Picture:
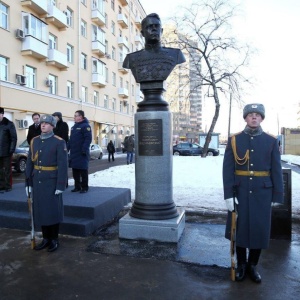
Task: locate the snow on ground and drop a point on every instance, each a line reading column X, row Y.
column 197, row 182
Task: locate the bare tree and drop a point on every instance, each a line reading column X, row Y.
column 203, row 30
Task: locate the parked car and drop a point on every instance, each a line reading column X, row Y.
column 96, row 151
column 192, row 149
column 124, row 143
column 19, row 158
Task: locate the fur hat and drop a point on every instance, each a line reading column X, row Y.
column 254, row 108
column 1, row 110
column 48, row 119
column 57, row 114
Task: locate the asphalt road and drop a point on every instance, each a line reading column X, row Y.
column 94, row 166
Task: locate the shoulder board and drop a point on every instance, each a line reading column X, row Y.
column 236, row 133
column 58, row 137
column 273, row 136
column 36, row 137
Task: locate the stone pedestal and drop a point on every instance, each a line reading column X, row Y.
column 169, row 230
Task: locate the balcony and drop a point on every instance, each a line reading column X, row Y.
column 34, row 47
column 138, row 40
column 121, row 69
column 98, row 79
column 122, row 42
column 97, row 17
column 122, row 20
column 57, row 59
column 122, row 92
column 124, row 2
column 57, row 18
column 138, row 22
column 98, row 48
column 38, row 6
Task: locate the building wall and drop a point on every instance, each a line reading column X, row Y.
column 108, row 121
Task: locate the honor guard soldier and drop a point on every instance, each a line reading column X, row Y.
column 251, row 167
column 46, row 175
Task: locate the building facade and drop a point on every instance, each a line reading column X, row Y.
column 67, row 55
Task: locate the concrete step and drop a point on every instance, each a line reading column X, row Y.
column 84, row 213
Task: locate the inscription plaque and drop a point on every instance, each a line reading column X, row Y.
column 150, row 137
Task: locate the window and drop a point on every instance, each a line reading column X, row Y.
column 113, row 103
column 98, row 4
column 127, row 108
column 106, row 74
column 84, row 94
column 120, row 54
column 83, row 28
column 106, row 46
column 121, row 106
column 114, row 79
column 106, row 20
column 132, row 90
column 121, row 82
column 70, row 89
column 106, row 101
column 53, row 85
column 127, row 86
column 3, row 16
column 112, row 4
column 83, row 61
column 113, row 53
column 69, row 14
column 83, row 2
column 30, row 77
column 35, row 27
column 70, row 53
column 3, row 68
column 98, row 34
column 96, row 98
column 113, row 27
column 52, row 41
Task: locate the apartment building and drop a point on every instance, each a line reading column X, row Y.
column 59, row 55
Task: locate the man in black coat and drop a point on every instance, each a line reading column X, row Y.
column 111, row 150
column 34, row 129
column 8, row 141
column 62, row 128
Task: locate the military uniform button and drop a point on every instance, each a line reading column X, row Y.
column 252, row 150
column 250, row 178
column 250, row 192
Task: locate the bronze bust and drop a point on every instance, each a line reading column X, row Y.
column 152, row 65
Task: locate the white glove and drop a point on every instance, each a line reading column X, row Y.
column 57, row 192
column 229, row 203
column 28, row 189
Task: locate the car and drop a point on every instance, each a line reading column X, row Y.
column 96, row 151
column 19, row 157
column 124, row 143
column 192, row 149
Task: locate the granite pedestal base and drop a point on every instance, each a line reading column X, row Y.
column 168, row 230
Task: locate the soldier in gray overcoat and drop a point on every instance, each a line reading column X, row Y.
column 252, row 167
column 46, row 175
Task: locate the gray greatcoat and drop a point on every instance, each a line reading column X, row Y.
column 49, row 152
column 254, row 193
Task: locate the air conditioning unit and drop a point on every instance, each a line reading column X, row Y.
column 121, row 131
column 23, row 124
column 107, row 56
column 113, row 131
column 21, row 79
column 20, row 34
column 104, row 131
column 124, row 102
column 49, row 82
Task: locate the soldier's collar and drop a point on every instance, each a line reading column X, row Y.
column 153, row 47
column 45, row 136
column 253, row 132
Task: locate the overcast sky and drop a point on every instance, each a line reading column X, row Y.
column 272, row 27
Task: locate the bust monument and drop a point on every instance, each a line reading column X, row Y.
column 152, row 65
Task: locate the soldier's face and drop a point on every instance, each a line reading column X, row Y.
column 152, row 30
column 253, row 120
column 46, row 127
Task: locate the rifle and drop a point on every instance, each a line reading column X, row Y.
column 29, row 200
column 233, row 236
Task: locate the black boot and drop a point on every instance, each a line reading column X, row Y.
column 254, row 275
column 240, row 272
column 53, row 246
column 44, row 243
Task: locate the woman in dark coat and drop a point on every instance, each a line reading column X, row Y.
column 252, row 166
column 46, row 175
column 111, row 150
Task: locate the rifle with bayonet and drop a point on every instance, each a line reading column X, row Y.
column 233, row 236
column 30, row 207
